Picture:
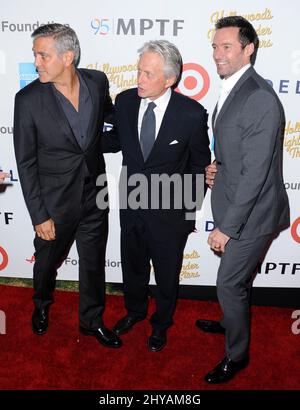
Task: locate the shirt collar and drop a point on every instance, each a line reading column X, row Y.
column 161, row 102
column 229, row 83
column 84, row 93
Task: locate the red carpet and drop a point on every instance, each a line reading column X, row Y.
column 63, row 359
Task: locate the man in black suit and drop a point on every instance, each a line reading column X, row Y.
column 161, row 134
column 57, row 131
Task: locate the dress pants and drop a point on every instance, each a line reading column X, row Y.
column 234, row 281
column 90, row 231
column 138, row 247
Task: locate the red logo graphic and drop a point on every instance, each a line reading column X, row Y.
column 31, row 260
column 194, row 81
column 294, row 233
column 4, row 255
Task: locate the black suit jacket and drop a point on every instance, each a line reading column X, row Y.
column 181, row 147
column 50, row 162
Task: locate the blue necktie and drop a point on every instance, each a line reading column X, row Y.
column 147, row 134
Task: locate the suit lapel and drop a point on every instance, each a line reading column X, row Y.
column 224, row 106
column 94, row 93
column 231, row 95
column 168, row 125
column 133, row 116
column 214, row 117
column 56, row 112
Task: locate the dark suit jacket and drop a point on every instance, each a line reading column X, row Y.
column 185, row 121
column 248, row 197
column 50, row 162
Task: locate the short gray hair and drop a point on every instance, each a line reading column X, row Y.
column 169, row 53
column 64, row 36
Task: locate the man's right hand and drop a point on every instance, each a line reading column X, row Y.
column 210, row 173
column 46, row 230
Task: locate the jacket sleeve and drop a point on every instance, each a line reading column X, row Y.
column 200, row 156
column 26, row 146
column 110, row 142
column 259, row 132
column 109, row 109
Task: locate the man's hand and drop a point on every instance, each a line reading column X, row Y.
column 46, row 230
column 217, row 240
column 3, row 175
column 210, row 173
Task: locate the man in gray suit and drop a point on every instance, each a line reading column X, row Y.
column 249, row 201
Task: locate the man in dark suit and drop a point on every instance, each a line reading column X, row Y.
column 249, row 201
column 57, row 132
column 161, row 134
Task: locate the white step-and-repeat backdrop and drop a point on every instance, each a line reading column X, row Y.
column 110, row 33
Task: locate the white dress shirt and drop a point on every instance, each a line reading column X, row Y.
column 159, row 111
column 228, row 84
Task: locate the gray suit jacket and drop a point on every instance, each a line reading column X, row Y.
column 248, row 197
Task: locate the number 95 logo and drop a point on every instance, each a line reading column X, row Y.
column 100, row 26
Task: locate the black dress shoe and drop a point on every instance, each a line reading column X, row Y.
column 157, row 340
column 105, row 336
column 210, row 326
column 125, row 324
column 40, row 320
column 225, row 370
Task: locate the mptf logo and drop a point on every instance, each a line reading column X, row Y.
column 135, row 27
column 194, row 81
column 3, row 258
column 6, row 217
column 295, row 230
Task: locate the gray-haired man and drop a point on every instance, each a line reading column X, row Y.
column 159, row 132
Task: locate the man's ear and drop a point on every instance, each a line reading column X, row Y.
column 68, row 58
column 249, row 49
column 170, row 81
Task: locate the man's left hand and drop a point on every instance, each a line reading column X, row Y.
column 217, row 240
